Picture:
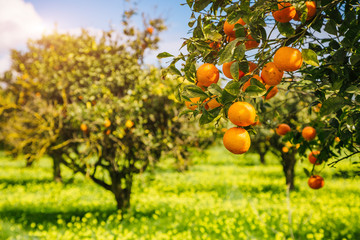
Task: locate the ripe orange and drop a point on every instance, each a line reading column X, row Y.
column 83, row 127
column 230, row 39
column 288, row 59
column 308, row 133
column 107, row 123
column 214, row 45
column 272, row 92
column 150, row 30
column 285, row 13
column 311, row 8
column 229, row 28
column 337, row 139
column 252, row 66
column 316, row 182
column 108, row 132
column 250, row 42
column 285, row 149
column 248, row 83
column 207, row 74
column 237, row 140
column 242, row 114
column 271, row 74
column 213, row 103
column 129, row 124
column 282, row 129
column 312, row 157
column 193, row 103
column 226, row 70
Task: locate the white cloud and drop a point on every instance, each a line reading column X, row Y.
column 18, row 22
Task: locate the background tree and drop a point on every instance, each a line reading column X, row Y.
column 89, row 103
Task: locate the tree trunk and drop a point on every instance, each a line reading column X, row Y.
column 262, row 157
column 56, row 169
column 122, row 192
column 28, row 163
column 288, row 162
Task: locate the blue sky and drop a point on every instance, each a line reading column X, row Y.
column 23, row 19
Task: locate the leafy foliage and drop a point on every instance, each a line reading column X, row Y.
column 329, row 42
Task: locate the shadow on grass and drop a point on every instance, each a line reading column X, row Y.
column 48, row 218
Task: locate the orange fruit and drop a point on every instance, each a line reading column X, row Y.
column 316, row 182
column 282, row 129
column 337, row 139
column 207, row 74
column 229, row 28
column 311, row 11
column 272, row 92
column 285, row 149
column 271, row 74
column 252, row 66
column 250, row 42
column 107, row 123
column 214, row 45
column 312, row 157
column 288, row 59
column 308, row 133
column 150, row 30
column 193, row 104
column 108, row 132
column 237, row 140
column 226, row 70
column 83, row 127
column 213, row 103
column 285, row 13
column 129, row 124
column 242, row 114
column 248, row 83
column 230, row 39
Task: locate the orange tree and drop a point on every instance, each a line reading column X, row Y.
column 315, row 43
column 89, row 103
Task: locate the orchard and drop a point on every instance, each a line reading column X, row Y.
column 307, row 48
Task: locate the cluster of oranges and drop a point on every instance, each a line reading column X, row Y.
column 107, row 123
column 309, row 134
column 243, row 114
column 286, row 12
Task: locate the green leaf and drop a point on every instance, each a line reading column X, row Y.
column 226, row 98
column 286, row 29
column 239, row 52
column 233, row 87
column 185, row 112
column 215, row 89
column 174, row 70
column 227, row 54
column 192, row 91
column 234, row 70
column 201, row 5
column 307, row 173
column 310, row 57
column 209, row 116
column 164, row 55
column 353, row 89
column 354, row 59
column 332, row 105
column 255, row 91
column 244, row 67
column 330, row 27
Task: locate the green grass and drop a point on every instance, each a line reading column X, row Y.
column 222, row 197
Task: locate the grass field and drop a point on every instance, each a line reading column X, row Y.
column 221, row 197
